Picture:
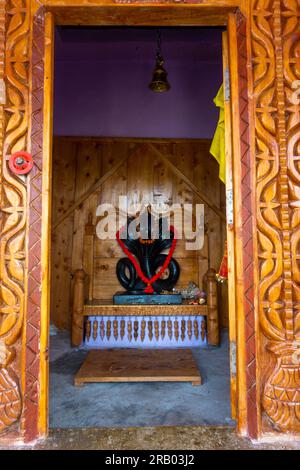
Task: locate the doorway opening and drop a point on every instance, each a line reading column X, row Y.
column 113, row 136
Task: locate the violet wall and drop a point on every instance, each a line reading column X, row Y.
column 102, row 76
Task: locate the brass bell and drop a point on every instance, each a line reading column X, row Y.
column 159, row 82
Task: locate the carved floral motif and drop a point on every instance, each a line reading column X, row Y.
column 275, row 44
column 275, row 48
column 281, row 396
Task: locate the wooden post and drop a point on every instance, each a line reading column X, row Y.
column 78, row 303
column 213, row 334
column 88, row 253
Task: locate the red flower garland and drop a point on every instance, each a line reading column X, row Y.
column 149, row 289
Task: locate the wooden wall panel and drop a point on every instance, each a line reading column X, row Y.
column 140, row 177
column 88, row 162
column 162, row 178
column 117, row 183
column 144, row 178
column 62, row 238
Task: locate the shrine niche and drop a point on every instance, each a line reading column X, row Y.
column 154, row 170
column 264, row 52
column 152, row 311
column 145, row 274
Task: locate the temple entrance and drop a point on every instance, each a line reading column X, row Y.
column 238, row 207
column 116, row 139
column 261, row 208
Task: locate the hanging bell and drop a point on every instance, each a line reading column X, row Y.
column 159, row 82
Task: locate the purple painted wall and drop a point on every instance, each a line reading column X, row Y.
column 102, row 76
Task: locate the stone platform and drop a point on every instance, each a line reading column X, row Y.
column 123, row 298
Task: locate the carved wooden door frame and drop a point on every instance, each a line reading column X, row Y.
column 265, row 140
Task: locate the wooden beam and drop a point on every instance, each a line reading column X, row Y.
column 43, row 409
column 91, row 190
column 230, row 236
column 93, row 14
column 193, row 187
column 107, row 308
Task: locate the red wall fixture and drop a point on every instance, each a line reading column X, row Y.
column 20, row 163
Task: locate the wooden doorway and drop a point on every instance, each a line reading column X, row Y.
column 240, row 239
column 231, row 72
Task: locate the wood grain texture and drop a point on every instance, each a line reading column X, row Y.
column 213, row 333
column 48, row 39
column 139, row 365
column 247, row 220
column 143, row 177
column 277, row 143
column 78, row 307
column 272, row 30
column 229, row 235
column 63, row 195
column 147, row 16
column 101, row 308
column 37, row 258
column 14, row 61
column 188, row 181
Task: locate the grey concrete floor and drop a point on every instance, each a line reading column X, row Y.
column 138, row 404
column 158, row 438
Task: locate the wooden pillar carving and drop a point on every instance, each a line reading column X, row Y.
column 32, row 364
column 275, row 33
column 245, row 252
column 14, row 63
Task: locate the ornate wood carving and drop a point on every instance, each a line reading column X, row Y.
column 275, row 34
column 102, row 331
column 275, row 47
column 34, row 220
column 14, row 125
column 150, row 1
column 247, row 225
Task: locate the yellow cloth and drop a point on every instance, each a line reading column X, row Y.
column 217, row 148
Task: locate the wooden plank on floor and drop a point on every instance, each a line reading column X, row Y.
column 139, row 365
